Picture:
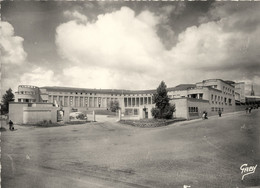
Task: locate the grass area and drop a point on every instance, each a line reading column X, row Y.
column 50, row 124
column 146, row 123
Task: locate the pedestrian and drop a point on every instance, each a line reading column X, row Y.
column 219, row 113
column 11, row 127
column 250, row 108
column 203, row 115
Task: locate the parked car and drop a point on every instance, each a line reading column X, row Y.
column 78, row 116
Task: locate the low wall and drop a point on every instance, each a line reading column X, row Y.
column 33, row 115
column 16, row 112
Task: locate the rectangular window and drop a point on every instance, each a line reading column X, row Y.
column 135, row 111
column 133, row 101
column 137, row 101
column 76, row 102
column 125, row 102
column 65, row 101
column 81, row 101
column 149, row 100
column 90, row 102
column 145, row 100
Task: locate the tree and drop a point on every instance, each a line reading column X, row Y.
column 163, row 109
column 114, row 106
column 7, row 97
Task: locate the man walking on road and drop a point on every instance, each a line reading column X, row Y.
column 219, row 113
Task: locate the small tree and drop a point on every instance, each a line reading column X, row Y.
column 114, row 106
column 163, row 109
column 7, row 97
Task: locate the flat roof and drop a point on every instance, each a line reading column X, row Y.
column 105, row 91
column 228, row 82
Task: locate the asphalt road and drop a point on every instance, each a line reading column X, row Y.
column 200, row 153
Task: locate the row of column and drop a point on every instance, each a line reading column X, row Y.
column 75, row 101
column 136, row 101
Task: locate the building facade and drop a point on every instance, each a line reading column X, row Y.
column 211, row 95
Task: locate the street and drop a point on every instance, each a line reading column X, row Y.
column 200, row 153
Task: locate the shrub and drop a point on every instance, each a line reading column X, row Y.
column 155, row 112
column 114, row 106
column 168, row 111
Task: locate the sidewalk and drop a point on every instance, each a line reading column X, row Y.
column 213, row 117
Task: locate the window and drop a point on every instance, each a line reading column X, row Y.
column 193, row 109
column 212, row 109
column 135, row 111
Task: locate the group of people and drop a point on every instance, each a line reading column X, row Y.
column 205, row 114
column 249, row 109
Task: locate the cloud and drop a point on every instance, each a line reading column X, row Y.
column 11, row 46
column 105, row 78
column 119, row 41
column 223, row 45
column 123, row 50
column 12, row 56
column 75, row 15
column 40, row 77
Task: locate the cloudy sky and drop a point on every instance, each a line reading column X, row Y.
column 128, row 45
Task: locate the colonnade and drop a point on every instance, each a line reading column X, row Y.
column 82, row 101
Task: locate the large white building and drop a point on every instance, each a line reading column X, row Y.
column 190, row 99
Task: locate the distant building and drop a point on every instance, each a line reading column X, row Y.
column 240, row 93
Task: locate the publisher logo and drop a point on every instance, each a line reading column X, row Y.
column 246, row 170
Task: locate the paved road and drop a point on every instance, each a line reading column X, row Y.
column 200, row 153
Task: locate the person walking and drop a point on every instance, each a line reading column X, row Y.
column 219, row 113
column 11, row 127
